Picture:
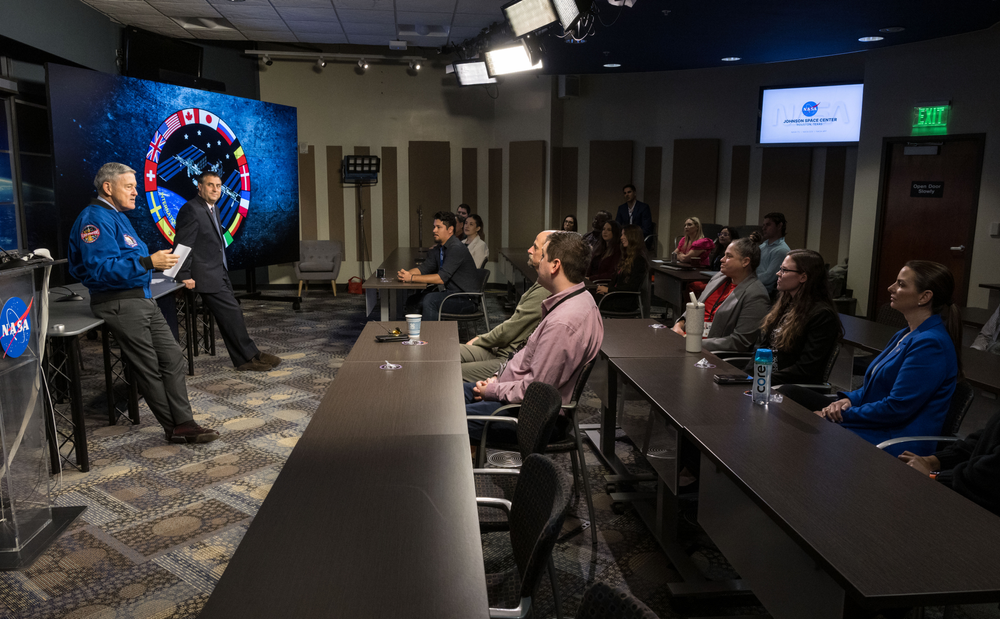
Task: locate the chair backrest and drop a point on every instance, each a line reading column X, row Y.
column 711, row 231
column 602, row 601
column 318, row 251
column 538, row 509
column 484, row 276
column 646, row 290
column 537, row 418
column 888, row 316
column 961, row 402
column 831, row 360
column 581, row 382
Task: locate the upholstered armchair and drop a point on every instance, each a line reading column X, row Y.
column 318, row 260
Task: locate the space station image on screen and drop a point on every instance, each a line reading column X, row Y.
column 170, row 135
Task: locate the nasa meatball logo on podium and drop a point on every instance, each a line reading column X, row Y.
column 188, row 143
column 15, row 327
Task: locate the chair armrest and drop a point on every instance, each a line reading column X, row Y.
column 618, row 292
column 514, row 472
column 485, row 501
column 823, row 389
column 915, row 439
column 487, row 419
column 512, row 613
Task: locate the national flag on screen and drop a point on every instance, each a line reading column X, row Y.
column 188, row 116
column 244, row 205
column 244, row 178
column 149, row 176
column 208, row 118
column 173, row 123
column 155, row 147
column 226, row 132
column 241, row 157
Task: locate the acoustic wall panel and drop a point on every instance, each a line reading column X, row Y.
column 526, row 187
column 307, row 194
column 563, row 185
column 390, row 200
column 652, row 175
column 470, row 179
column 494, row 231
column 833, row 203
column 335, row 193
column 739, row 187
column 430, row 186
column 784, row 188
column 610, row 169
column 695, row 183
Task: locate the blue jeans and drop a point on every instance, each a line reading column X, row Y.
column 499, row 432
column 431, row 304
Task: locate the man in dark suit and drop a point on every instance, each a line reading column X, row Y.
column 635, row 212
column 205, row 270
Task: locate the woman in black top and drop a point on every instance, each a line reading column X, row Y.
column 632, row 269
column 608, row 253
column 726, row 236
column 803, row 326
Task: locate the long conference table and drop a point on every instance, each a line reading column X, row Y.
column 818, row 522
column 388, row 291
column 374, row 512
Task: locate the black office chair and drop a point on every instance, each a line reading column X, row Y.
column 740, row 361
column 602, row 601
column 536, row 516
column 571, row 443
column 961, row 402
column 482, row 312
column 641, row 301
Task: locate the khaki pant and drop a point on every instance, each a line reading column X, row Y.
column 478, row 363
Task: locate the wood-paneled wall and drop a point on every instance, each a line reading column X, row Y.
column 610, row 169
column 430, row 185
column 695, row 183
column 526, row 187
column 784, row 188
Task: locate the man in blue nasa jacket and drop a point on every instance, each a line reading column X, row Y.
column 110, row 259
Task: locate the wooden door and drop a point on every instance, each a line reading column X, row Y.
column 928, row 211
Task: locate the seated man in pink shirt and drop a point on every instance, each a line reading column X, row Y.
column 569, row 335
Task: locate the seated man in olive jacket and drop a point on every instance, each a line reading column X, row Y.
column 479, row 362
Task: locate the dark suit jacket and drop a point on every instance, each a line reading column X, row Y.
column 641, row 216
column 198, row 228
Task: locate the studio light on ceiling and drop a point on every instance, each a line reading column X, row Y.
column 511, row 59
column 414, row 65
column 870, row 39
column 472, row 73
column 730, row 59
column 320, row 63
column 362, row 64
column 526, row 16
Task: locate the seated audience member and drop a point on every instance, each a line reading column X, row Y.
column 608, row 254
column 461, row 214
column 479, row 361
column 569, row 223
column 726, row 236
column 633, row 268
column 803, row 326
column 971, row 466
column 448, row 269
column 593, row 238
column 735, row 301
column 694, row 248
column 773, row 248
column 908, row 387
column 987, row 340
column 569, row 336
column 474, row 240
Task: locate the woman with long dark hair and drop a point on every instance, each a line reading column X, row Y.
column 605, row 259
column 726, row 236
column 803, row 326
column 473, row 228
column 632, row 268
column 908, row 387
column 569, row 223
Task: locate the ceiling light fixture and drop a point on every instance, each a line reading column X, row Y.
column 612, row 65
column 362, row 64
column 731, row 59
column 512, row 59
column 320, row 63
column 414, row 65
column 267, row 60
column 870, row 39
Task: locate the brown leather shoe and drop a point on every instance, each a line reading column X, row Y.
column 271, row 360
column 192, row 433
column 254, row 365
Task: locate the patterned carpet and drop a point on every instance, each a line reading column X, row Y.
column 163, row 520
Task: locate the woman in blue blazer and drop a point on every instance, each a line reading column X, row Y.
column 908, row 387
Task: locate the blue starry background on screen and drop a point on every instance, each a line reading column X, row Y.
column 169, row 135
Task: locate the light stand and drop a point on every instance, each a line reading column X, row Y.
column 361, row 171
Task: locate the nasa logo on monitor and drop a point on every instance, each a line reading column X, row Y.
column 190, row 142
column 15, row 327
column 809, row 108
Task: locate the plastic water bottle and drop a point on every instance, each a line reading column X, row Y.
column 762, row 362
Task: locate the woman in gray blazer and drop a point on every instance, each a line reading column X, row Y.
column 735, row 300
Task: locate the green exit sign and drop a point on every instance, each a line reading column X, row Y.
column 931, row 119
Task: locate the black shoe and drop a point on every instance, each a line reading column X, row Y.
column 192, row 433
column 254, row 365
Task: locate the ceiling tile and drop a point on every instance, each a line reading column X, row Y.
column 247, row 11
column 258, row 24
column 366, row 17
column 480, row 6
column 279, row 4
column 433, row 6
column 318, row 27
column 186, row 9
column 225, row 3
column 312, row 14
column 476, row 19
column 386, row 31
column 423, row 19
column 315, row 37
column 255, row 35
column 464, row 32
column 364, row 5
column 367, row 39
column 230, row 35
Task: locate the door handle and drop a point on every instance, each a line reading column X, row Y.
column 959, row 248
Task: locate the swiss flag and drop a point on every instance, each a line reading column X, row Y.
column 149, row 176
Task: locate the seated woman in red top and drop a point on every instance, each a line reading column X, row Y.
column 608, row 253
column 632, row 269
column 694, row 248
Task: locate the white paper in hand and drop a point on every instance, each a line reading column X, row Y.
column 181, row 251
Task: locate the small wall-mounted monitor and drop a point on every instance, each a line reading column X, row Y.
column 811, row 115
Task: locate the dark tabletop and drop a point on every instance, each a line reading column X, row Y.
column 864, row 515
column 400, row 258
column 441, row 338
column 686, row 276
column 518, row 256
column 634, row 337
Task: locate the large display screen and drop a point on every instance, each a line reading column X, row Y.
column 170, row 135
column 811, row 115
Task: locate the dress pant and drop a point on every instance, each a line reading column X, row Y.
column 157, row 363
column 478, row 363
column 229, row 318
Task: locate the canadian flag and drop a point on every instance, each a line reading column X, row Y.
column 189, row 116
column 208, row 118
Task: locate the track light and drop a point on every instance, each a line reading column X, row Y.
column 362, row 64
column 320, row 63
column 414, row 65
column 267, row 60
